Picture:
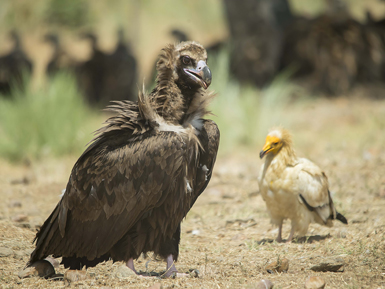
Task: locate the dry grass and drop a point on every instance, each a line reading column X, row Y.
column 345, row 137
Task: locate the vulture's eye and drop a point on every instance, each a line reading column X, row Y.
column 275, row 143
column 186, row 60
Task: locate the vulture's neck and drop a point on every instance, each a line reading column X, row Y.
column 284, row 158
column 174, row 103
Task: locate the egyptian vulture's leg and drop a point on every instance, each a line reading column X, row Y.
column 130, row 264
column 291, row 234
column 279, row 238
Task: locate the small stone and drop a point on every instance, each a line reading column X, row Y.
column 22, row 181
column 155, row 286
column 27, row 272
column 75, row 275
column 19, row 255
column 279, row 266
column 263, row 284
column 341, row 234
column 15, row 204
column 23, row 225
column 194, row 273
column 55, row 263
column 41, row 268
column 5, row 252
column 123, row 272
column 20, row 218
column 329, row 265
column 314, row 282
column 28, row 251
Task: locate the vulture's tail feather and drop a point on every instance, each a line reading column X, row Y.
column 43, row 237
column 341, row 218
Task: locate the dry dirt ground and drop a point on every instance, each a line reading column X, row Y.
column 222, row 234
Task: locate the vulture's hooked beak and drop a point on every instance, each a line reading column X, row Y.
column 201, row 74
column 265, row 150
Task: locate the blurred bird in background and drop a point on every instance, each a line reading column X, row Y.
column 14, row 66
column 106, row 77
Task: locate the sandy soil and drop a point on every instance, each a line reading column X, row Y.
column 222, row 234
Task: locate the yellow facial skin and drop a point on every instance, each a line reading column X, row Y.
column 272, row 145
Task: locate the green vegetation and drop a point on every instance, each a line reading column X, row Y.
column 69, row 13
column 47, row 122
column 244, row 113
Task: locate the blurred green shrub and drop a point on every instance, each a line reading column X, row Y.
column 244, row 113
column 68, row 13
column 48, row 122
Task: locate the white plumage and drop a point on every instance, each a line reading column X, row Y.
column 294, row 188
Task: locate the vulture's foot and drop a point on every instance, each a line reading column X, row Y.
column 291, row 235
column 171, row 270
column 279, row 239
column 130, row 264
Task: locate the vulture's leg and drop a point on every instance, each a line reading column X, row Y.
column 130, row 264
column 279, row 238
column 291, row 234
column 171, row 269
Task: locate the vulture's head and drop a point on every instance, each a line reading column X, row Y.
column 186, row 65
column 275, row 140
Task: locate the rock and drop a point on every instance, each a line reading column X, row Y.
column 75, row 275
column 328, row 265
column 279, row 266
column 341, row 234
column 22, row 181
column 27, row 272
column 314, row 282
column 155, row 286
column 55, row 263
column 23, row 225
column 41, row 268
column 5, row 252
column 123, row 272
column 263, row 284
column 20, row 218
column 19, row 255
column 194, row 273
column 28, row 251
column 15, row 204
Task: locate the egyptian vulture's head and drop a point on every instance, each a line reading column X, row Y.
column 275, row 140
column 188, row 64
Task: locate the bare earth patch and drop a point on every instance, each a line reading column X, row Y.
column 227, row 235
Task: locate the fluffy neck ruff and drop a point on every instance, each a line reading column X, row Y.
column 286, row 156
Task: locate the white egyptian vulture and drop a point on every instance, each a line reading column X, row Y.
column 294, row 188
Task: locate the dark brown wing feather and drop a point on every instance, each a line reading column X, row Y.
column 113, row 186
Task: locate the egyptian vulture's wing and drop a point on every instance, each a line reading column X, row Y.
column 313, row 190
column 114, row 184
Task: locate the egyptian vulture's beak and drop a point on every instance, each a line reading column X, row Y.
column 266, row 148
column 201, row 74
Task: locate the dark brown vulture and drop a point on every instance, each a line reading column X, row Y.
column 92, row 73
column 60, row 59
column 106, row 77
column 129, row 191
column 14, row 67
